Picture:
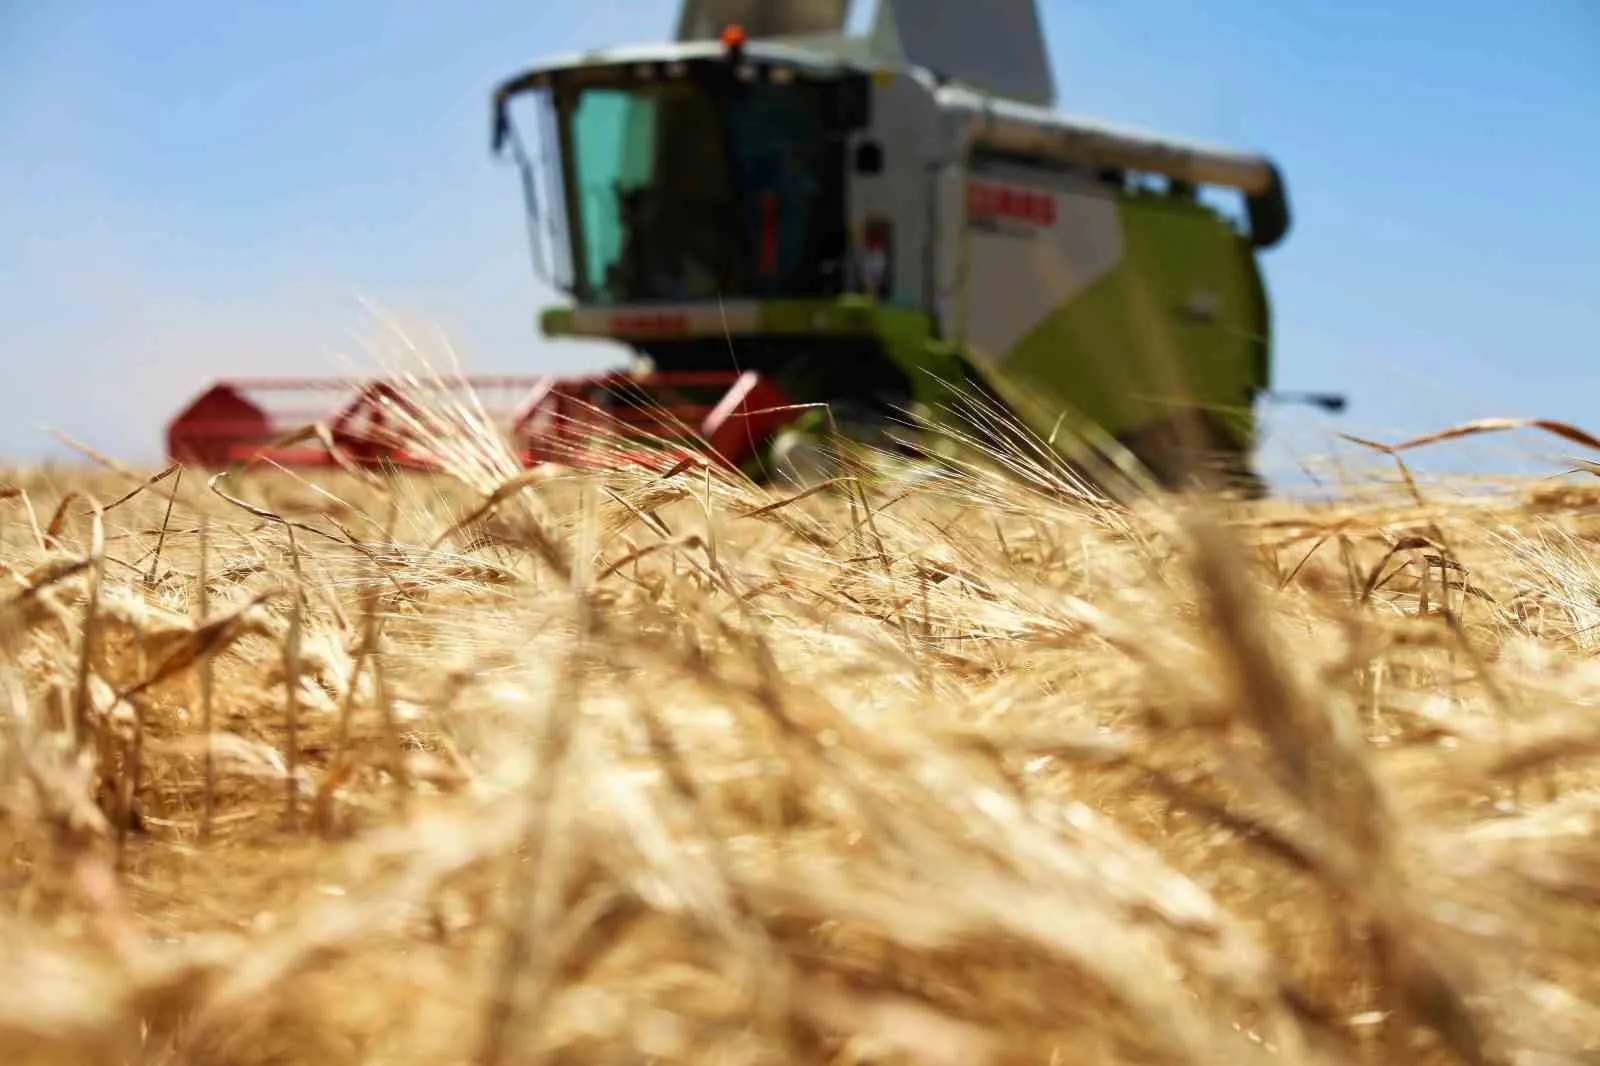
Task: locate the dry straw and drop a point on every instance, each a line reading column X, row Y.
column 987, row 768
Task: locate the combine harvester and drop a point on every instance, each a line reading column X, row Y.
column 774, row 215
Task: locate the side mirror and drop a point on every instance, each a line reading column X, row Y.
column 869, row 158
column 1333, row 403
column 502, row 128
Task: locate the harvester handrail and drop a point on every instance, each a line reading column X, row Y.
column 1003, row 125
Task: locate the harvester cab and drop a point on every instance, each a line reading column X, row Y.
column 884, row 221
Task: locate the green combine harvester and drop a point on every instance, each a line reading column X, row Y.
column 803, row 234
column 884, row 223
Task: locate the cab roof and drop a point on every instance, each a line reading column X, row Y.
column 805, row 56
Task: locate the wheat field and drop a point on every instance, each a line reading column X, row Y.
column 497, row 767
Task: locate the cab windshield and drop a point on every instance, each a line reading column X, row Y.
column 684, row 190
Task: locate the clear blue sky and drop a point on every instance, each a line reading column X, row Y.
column 195, row 190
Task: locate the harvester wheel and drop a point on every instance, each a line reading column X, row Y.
column 807, row 452
column 1196, row 454
column 802, row 459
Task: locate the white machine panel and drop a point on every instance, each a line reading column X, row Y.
column 906, row 126
column 1035, row 240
